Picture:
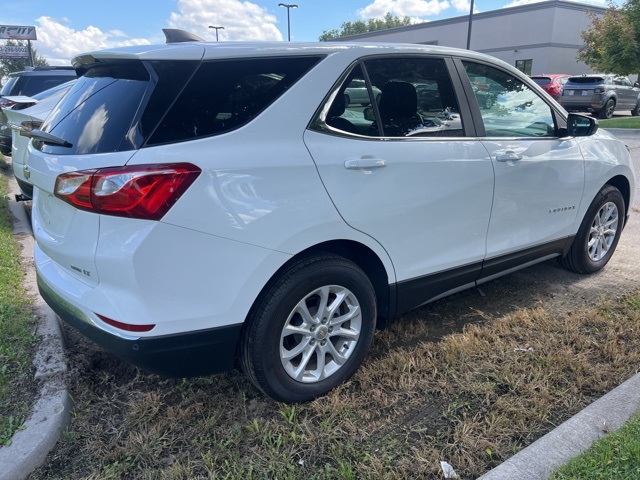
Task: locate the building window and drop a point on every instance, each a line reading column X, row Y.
column 525, row 66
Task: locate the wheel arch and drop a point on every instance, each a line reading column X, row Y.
column 362, row 256
column 622, row 184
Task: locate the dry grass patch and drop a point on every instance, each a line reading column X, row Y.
column 472, row 398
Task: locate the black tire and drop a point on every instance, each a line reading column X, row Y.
column 586, row 258
column 266, row 350
column 608, row 109
column 636, row 111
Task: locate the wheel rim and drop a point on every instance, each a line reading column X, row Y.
column 603, row 231
column 320, row 334
column 610, row 108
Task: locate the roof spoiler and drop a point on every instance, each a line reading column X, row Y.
column 175, row 35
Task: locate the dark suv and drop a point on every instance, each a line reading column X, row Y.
column 29, row 82
column 601, row 94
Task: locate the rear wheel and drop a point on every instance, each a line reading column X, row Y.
column 609, row 108
column 599, row 233
column 311, row 330
column 636, row 111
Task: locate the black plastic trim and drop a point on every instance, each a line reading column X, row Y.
column 202, row 352
column 415, row 292
column 412, row 293
column 494, row 266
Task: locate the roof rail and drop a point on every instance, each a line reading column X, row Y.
column 175, row 35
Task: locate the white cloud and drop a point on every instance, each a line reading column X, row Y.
column 242, row 20
column 403, row 8
column 59, row 43
column 464, row 5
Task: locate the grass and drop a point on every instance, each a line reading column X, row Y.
column 16, row 327
column 629, row 122
column 616, row 456
column 471, row 398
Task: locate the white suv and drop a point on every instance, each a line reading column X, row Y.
column 199, row 204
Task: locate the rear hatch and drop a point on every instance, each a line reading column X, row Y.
column 584, row 86
column 102, row 121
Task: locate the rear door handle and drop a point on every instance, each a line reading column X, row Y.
column 509, row 156
column 364, row 163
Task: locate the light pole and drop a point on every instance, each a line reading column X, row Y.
column 288, row 6
column 217, row 28
column 470, row 22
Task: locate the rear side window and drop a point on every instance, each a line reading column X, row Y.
column 226, row 94
column 115, row 106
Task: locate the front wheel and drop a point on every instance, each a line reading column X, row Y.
column 599, row 233
column 311, row 329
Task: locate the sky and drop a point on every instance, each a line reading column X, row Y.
column 66, row 28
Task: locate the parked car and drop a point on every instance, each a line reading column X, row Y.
column 28, row 83
column 551, row 83
column 190, row 213
column 357, row 93
column 601, row 95
column 27, row 114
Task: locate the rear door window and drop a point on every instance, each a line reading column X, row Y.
column 400, row 97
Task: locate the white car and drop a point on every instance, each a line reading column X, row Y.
column 201, row 204
column 26, row 114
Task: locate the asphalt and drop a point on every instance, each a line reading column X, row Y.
column 52, row 410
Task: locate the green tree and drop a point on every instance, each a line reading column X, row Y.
column 611, row 42
column 360, row 26
column 18, row 64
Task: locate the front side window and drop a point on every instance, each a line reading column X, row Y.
column 398, row 97
column 509, row 108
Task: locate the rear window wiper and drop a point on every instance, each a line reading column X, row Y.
column 47, row 138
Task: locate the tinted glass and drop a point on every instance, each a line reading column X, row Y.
column 513, row 109
column 596, row 80
column 115, row 106
column 7, row 89
column 541, row 80
column 226, row 94
column 406, row 97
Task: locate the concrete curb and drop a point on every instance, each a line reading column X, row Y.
column 556, row 448
column 51, row 412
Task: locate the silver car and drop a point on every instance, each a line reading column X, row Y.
column 600, row 94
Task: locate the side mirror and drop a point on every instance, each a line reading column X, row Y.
column 369, row 114
column 636, row 84
column 581, row 125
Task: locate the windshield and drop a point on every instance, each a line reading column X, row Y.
column 541, row 80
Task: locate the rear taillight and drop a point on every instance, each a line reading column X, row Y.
column 135, row 191
column 598, row 90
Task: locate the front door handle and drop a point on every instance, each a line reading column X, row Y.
column 509, row 156
column 364, row 163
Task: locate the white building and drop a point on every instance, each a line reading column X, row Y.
column 536, row 38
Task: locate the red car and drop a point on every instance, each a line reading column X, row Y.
column 551, row 83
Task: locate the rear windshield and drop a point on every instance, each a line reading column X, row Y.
column 29, row 85
column 590, row 80
column 541, row 80
column 132, row 104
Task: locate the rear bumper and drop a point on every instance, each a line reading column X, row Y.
column 578, row 104
column 201, row 352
